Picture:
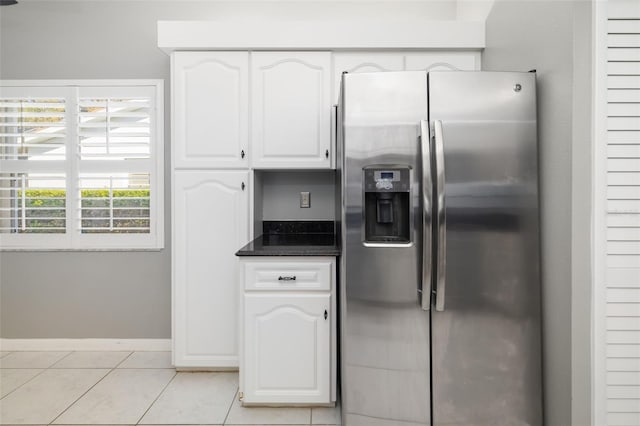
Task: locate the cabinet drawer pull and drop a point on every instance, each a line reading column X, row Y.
column 325, row 314
column 281, row 278
column 326, row 154
column 242, row 153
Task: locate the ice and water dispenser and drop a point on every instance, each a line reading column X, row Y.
column 386, row 204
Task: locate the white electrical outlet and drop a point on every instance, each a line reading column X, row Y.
column 305, row 200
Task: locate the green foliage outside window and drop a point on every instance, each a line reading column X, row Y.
column 45, row 210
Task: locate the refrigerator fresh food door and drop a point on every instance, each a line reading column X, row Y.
column 485, row 324
column 384, row 328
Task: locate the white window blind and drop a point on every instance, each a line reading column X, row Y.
column 111, row 128
column 623, row 219
column 81, row 165
column 32, row 128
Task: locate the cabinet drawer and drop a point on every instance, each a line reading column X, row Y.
column 288, row 276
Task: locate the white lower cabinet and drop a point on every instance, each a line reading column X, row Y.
column 286, row 339
column 288, row 331
column 210, row 222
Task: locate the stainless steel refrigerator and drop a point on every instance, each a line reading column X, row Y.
column 440, row 277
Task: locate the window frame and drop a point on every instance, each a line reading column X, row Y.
column 72, row 239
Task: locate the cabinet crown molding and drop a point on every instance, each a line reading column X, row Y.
column 320, row 35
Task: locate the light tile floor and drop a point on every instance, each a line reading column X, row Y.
column 129, row 388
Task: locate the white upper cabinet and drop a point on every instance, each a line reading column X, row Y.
column 210, row 109
column 291, row 106
column 363, row 62
column 354, row 62
column 433, row 61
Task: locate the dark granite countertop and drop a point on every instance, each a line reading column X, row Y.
column 293, row 239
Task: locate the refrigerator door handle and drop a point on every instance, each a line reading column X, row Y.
column 441, row 217
column 427, row 206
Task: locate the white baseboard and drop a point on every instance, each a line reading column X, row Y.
column 85, row 345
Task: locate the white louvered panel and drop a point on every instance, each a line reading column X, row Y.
column 623, row 419
column 623, row 309
column 624, row 26
column 627, row 323
column 625, row 351
column 623, row 337
column 620, row 137
column 624, row 110
column 115, row 128
column 623, row 295
column 32, row 203
column 621, row 95
column 624, row 234
column 32, row 129
column 623, row 261
column 629, row 54
column 623, row 364
column 623, row 68
column 623, row 40
column 624, row 247
column 623, row 206
column 623, row 220
column 623, row 123
column 623, row 377
column 622, row 178
column 623, row 82
column 623, row 165
column 629, row 407
column 631, row 192
column 623, row 9
column 624, row 406
column 624, row 392
column 623, row 151
column 623, row 277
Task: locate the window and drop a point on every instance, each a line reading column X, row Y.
column 81, row 165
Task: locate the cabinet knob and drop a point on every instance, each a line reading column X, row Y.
column 325, row 314
column 242, row 186
column 242, row 153
column 326, row 154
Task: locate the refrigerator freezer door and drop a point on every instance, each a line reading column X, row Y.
column 486, row 333
column 384, row 330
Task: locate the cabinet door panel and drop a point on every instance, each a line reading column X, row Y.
column 363, row 62
column 210, row 109
column 210, row 221
column 433, row 61
column 290, row 109
column 287, row 348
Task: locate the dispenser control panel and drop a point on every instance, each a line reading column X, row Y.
column 391, row 179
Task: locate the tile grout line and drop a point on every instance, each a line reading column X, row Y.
column 235, row 395
column 28, row 368
column 69, row 354
column 175, row 374
column 43, row 370
column 123, row 360
column 83, row 394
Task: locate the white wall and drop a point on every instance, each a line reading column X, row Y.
column 551, row 37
